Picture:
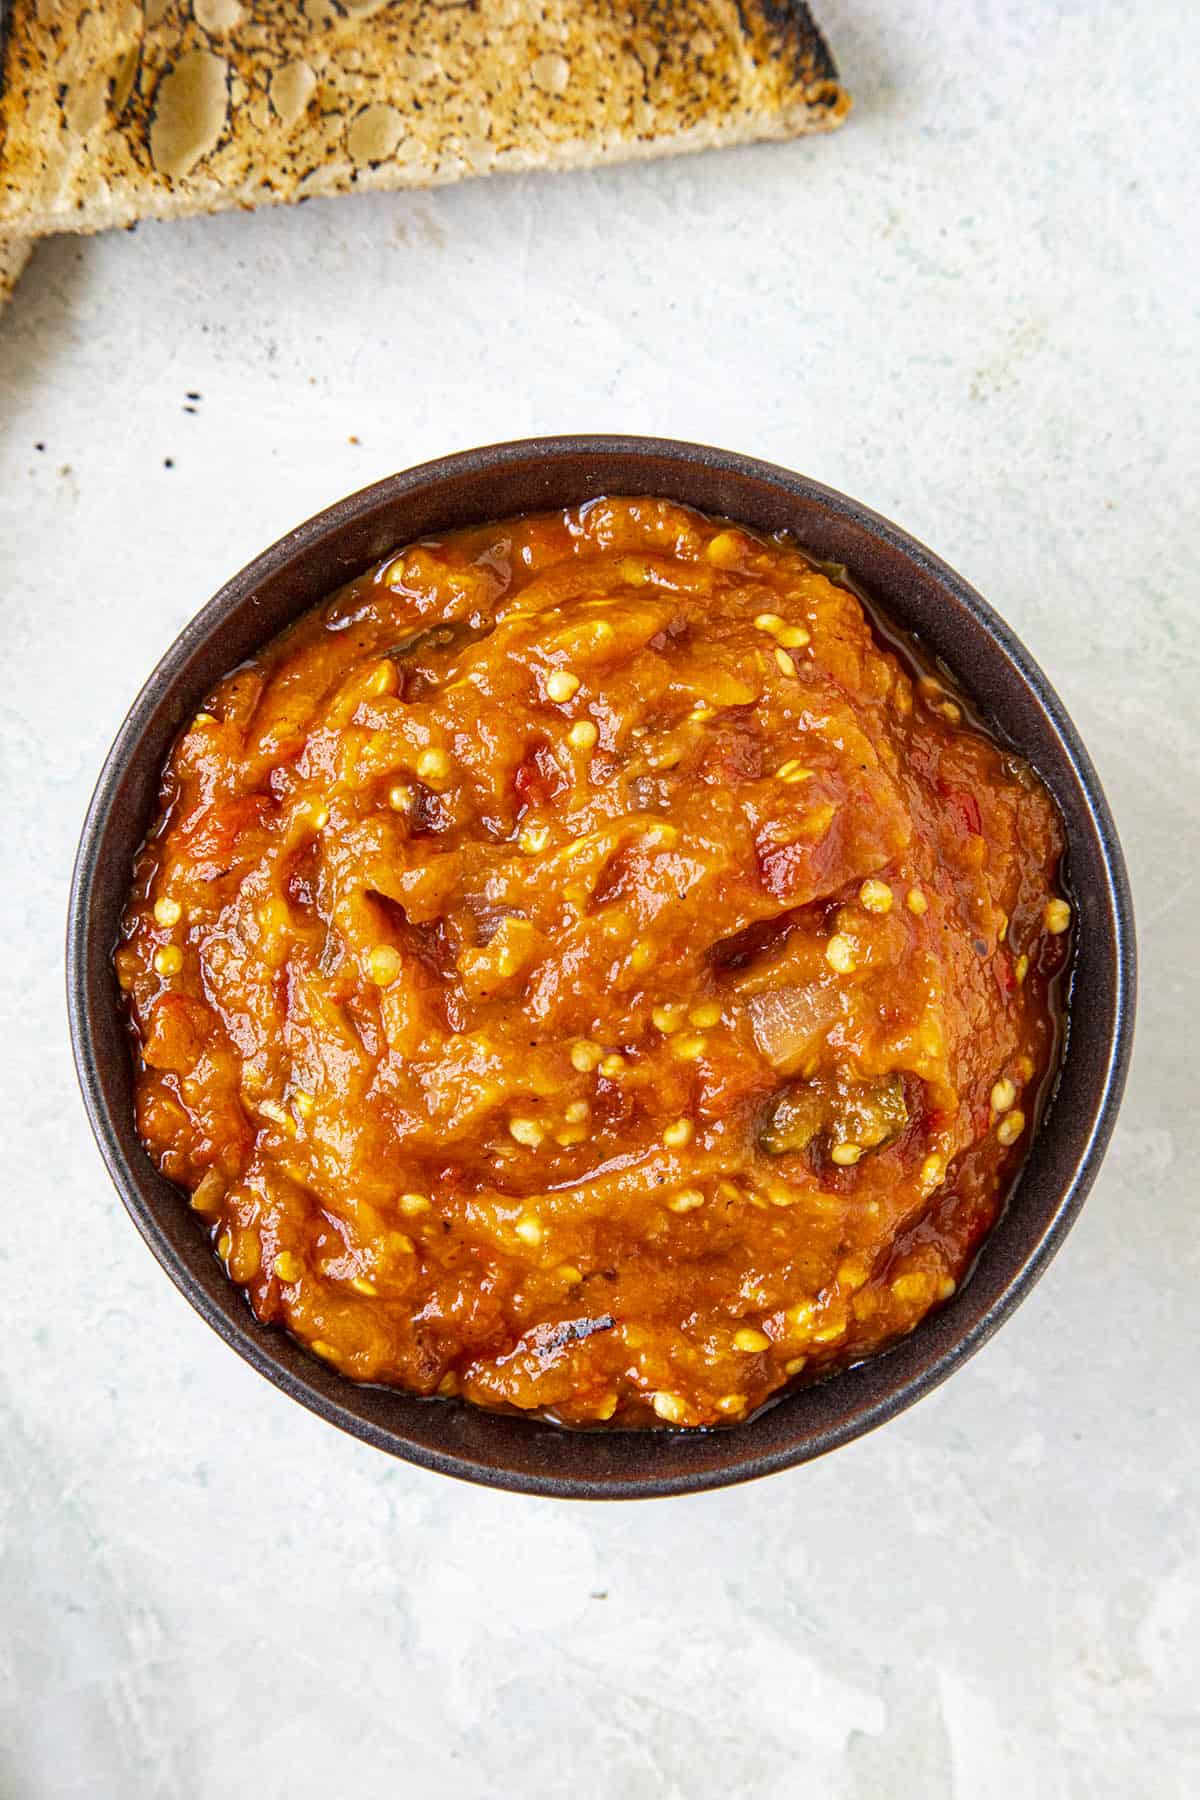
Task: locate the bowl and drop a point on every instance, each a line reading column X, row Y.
column 921, row 595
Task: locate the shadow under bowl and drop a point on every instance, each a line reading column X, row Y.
column 916, row 591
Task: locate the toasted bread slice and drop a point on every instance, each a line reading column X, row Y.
column 112, row 111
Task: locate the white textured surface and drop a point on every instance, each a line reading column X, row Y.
column 970, row 309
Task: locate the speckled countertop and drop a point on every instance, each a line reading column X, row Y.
column 970, row 309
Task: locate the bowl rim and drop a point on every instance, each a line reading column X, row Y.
column 329, row 1395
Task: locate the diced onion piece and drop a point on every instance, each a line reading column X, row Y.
column 790, row 1023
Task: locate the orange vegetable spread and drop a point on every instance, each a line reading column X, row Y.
column 586, row 967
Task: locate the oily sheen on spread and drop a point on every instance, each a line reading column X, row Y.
column 587, row 968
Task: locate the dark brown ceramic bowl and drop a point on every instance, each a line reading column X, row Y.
column 923, row 596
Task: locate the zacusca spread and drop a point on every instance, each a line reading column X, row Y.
column 587, row 967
